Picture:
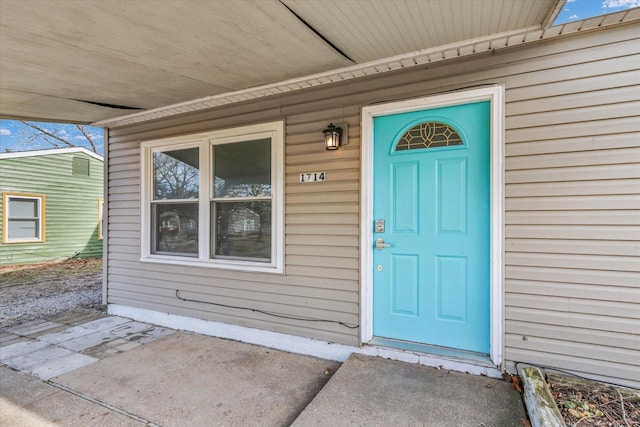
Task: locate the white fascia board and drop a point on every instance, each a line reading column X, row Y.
column 50, row 152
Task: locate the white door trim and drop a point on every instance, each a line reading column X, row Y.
column 494, row 94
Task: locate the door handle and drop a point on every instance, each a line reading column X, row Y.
column 380, row 244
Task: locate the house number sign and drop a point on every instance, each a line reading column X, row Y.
column 312, row 177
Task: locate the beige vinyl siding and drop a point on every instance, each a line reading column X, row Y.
column 573, row 219
column 309, row 289
column 572, row 204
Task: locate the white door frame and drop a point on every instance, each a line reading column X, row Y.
column 494, row 94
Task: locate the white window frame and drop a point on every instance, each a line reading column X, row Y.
column 6, row 215
column 204, row 141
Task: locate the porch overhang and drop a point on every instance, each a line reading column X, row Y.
column 117, row 63
column 423, row 57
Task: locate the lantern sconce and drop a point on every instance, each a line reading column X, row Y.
column 335, row 136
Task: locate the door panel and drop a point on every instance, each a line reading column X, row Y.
column 451, row 186
column 451, row 287
column 405, row 197
column 431, row 186
column 405, row 284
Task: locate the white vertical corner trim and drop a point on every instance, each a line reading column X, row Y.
column 497, row 225
column 494, row 94
column 105, row 218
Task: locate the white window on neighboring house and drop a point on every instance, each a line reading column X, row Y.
column 23, row 218
column 215, row 199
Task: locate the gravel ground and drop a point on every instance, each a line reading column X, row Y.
column 47, row 295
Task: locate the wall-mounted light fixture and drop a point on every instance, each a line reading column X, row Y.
column 334, row 137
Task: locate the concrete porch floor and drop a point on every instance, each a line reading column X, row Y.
column 116, row 372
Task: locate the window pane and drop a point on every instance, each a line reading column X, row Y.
column 429, row 135
column 242, row 229
column 175, row 228
column 242, row 169
column 23, row 208
column 23, row 229
column 176, row 174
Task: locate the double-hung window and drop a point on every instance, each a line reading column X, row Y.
column 215, row 199
column 23, row 218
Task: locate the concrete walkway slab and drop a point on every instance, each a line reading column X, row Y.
column 148, row 335
column 154, row 376
column 33, row 327
column 131, row 328
column 111, row 348
column 105, row 323
column 20, row 348
column 192, row 380
column 10, row 339
column 42, row 359
column 77, row 316
column 90, row 340
column 65, row 335
column 60, row 365
column 25, row 362
column 370, row 391
column 27, row 401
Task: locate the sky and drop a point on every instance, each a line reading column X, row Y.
column 15, row 136
column 575, row 10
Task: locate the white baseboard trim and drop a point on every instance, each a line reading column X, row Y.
column 295, row 344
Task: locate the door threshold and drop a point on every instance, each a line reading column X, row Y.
column 452, row 353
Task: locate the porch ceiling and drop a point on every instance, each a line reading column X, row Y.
column 94, row 60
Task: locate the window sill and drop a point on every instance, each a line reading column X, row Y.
column 241, row 266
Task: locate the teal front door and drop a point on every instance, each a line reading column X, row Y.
column 431, row 196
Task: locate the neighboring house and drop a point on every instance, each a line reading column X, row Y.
column 51, row 205
column 506, row 182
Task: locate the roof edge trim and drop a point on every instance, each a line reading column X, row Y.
column 553, row 13
column 50, row 151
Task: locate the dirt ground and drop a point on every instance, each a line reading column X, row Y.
column 592, row 404
column 34, row 291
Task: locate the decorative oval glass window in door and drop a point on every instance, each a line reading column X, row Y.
column 429, row 135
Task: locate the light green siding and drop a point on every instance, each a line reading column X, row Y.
column 71, row 207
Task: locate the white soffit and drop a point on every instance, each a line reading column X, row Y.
column 419, row 57
column 385, row 28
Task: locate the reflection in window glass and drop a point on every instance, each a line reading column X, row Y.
column 23, row 208
column 242, row 169
column 23, row 229
column 175, row 228
column 176, row 174
column 242, row 229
